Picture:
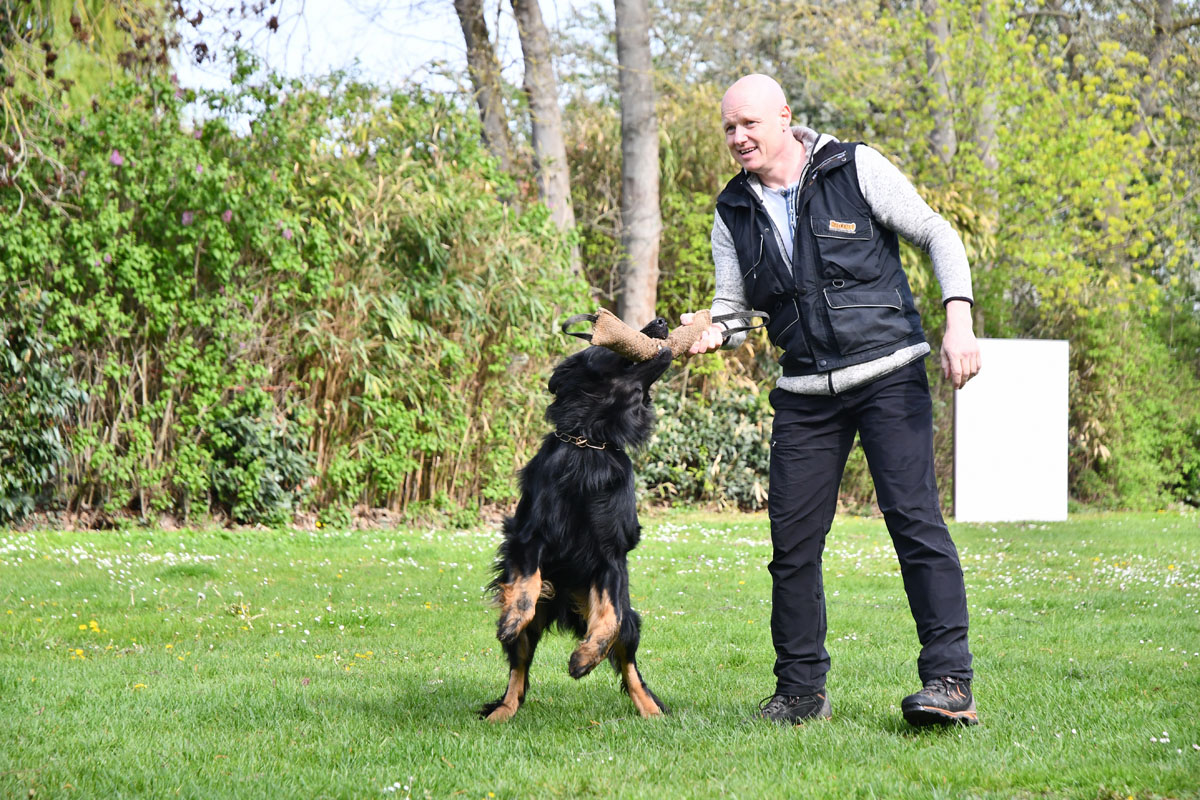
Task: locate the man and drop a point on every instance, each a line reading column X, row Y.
column 807, row 233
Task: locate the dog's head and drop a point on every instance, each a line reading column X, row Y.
column 603, row 396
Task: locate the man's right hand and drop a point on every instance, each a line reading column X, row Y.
column 708, row 341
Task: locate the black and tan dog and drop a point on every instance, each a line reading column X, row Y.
column 562, row 560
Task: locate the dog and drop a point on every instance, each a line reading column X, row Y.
column 562, row 559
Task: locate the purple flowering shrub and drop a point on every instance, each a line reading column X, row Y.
column 169, row 281
column 327, row 300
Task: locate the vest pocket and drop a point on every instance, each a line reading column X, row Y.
column 784, row 318
column 846, row 246
column 862, row 320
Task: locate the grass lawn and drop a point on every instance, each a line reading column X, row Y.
column 242, row 664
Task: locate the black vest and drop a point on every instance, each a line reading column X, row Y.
column 847, row 300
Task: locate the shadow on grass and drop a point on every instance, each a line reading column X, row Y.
column 897, row 726
column 415, row 701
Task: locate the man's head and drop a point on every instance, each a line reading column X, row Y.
column 757, row 123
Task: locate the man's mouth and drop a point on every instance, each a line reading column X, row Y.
column 747, row 151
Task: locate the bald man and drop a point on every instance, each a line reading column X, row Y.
column 807, row 232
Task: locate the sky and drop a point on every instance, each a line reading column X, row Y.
column 386, row 41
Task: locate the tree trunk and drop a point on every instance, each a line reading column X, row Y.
column 641, row 218
column 549, row 146
column 943, row 140
column 484, row 69
column 985, row 132
column 985, row 137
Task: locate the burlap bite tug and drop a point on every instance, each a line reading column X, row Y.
column 682, row 338
column 609, row 331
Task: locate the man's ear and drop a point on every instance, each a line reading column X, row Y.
column 785, row 114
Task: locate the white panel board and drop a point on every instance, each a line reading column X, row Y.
column 1010, row 433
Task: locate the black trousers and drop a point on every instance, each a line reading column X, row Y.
column 810, row 442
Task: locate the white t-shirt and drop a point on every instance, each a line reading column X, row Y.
column 781, row 205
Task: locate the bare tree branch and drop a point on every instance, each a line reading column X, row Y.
column 484, row 69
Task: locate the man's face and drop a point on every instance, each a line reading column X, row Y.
column 756, row 130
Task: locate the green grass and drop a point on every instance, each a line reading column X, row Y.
column 296, row 664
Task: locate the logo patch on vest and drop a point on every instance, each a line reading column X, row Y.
column 843, row 227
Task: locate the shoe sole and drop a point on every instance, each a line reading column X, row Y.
column 924, row 716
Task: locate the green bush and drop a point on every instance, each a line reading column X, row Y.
column 1187, row 489
column 37, row 402
column 1134, row 420
column 427, row 362
column 258, row 461
column 351, row 263
column 173, row 265
column 714, row 450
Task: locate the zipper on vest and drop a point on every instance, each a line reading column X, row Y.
column 788, row 262
column 806, row 323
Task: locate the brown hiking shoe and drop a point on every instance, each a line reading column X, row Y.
column 943, row 701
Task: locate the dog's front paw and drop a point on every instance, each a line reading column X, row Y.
column 578, row 666
column 518, row 604
column 510, row 628
column 586, row 657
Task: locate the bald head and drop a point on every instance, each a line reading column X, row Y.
column 757, row 123
column 759, row 90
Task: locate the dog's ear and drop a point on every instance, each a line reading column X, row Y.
column 567, row 370
column 557, row 377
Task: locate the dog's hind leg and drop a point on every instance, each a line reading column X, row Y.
column 603, row 624
column 622, row 657
column 518, row 603
column 520, row 656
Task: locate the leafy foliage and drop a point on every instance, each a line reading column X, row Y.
column 428, row 359
column 258, row 463
column 37, row 403
column 1072, row 187
column 348, row 264
column 712, row 450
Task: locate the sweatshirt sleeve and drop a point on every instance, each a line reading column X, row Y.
column 895, row 203
column 730, row 295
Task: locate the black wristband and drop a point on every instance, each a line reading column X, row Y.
column 967, row 300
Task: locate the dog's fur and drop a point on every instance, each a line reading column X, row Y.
column 562, row 560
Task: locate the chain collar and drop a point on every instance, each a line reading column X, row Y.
column 580, row 441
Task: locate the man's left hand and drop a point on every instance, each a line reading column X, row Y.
column 960, row 351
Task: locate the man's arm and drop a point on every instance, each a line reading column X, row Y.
column 730, row 294
column 895, row 203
